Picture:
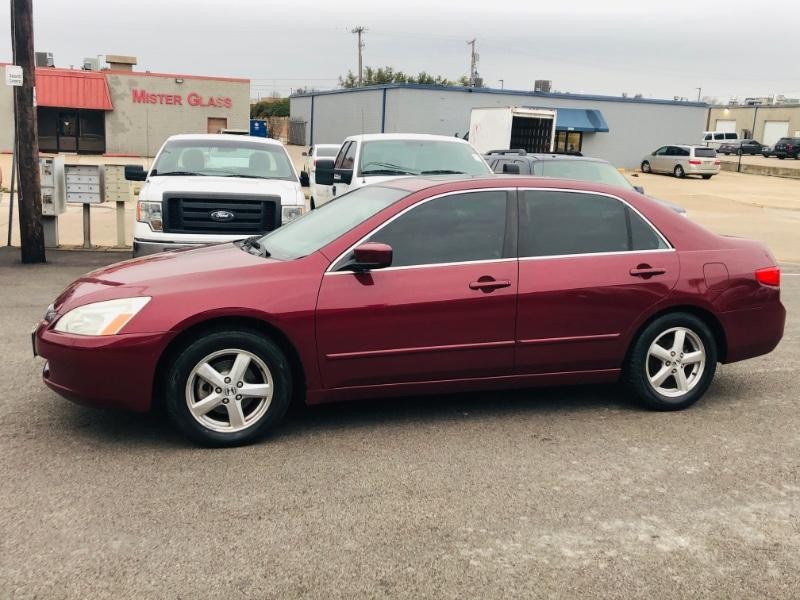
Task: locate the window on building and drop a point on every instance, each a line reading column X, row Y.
column 568, row 142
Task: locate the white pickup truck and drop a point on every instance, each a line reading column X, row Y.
column 213, row 188
column 372, row 158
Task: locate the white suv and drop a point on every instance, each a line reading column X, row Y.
column 213, row 188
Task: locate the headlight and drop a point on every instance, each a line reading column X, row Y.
column 101, row 318
column 290, row 213
column 150, row 213
column 49, row 314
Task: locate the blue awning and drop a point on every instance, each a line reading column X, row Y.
column 587, row 120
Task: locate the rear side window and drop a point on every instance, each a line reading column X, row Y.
column 719, row 136
column 731, row 136
column 705, row 152
column 454, row 228
column 554, row 223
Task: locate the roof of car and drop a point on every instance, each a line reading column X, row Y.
column 369, row 137
column 223, row 136
column 541, row 156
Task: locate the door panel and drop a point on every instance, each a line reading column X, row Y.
column 416, row 324
column 574, row 310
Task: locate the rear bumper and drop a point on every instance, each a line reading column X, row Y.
column 754, row 331
column 105, row 372
column 702, row 170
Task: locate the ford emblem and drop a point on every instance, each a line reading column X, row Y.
column 222, row 216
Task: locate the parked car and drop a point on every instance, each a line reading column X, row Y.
column 746, row 146
column 212, row 188
column 417, row 286
column 788, row 147
column 320, row 194
column 713, row 139
column 681, row 160
column 378, row 157
column 562, row 166
column 767, row 151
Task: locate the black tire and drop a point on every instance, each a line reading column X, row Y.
column 706, row 176
column 781, row 157
column 646, row 167
column 635, row 375
column 679, row 172
column 201, row 347
column 313, row 206
column 304, row 180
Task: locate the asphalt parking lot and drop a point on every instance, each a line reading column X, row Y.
column 539, row 493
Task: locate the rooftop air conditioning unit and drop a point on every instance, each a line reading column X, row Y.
column 543, row 85
column 44, row 59
column 91, row 64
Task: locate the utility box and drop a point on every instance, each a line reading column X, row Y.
column 83, row 184
column 258, row 128
column 114, row 185
column 51, row 175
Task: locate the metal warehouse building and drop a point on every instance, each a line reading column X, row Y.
column 121, row 112
column 766, row 123
column 620, row 130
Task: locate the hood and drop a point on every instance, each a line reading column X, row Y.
column 155, row 187
column 142, row 275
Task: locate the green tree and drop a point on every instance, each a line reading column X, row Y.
column 384, row 75
column 270, row 107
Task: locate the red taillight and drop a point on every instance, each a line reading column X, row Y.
column 694, row 161
column 769, row 276
column 717, row 162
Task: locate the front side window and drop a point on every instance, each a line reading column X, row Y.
column 454, row 228
column 555, row 223
column 342, row 153
column 662, row 151
column 223, row 158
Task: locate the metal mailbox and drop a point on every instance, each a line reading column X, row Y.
column 83, row 184
column 115, row 187
column 51, row 175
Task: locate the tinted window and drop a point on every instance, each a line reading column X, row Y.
column 731, row 136
column 705, row 152
column 349, row 159
column 561, row 223
column 707, row 136
column 455, row 228
column 719, row 136
column 585, row 170
column 341, row 155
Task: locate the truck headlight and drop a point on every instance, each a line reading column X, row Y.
column 101, row 318
column 150, row 213
column 290, row 213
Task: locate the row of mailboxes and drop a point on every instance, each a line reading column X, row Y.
column 79, row 184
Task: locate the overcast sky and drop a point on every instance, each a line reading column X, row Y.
column 659, row 49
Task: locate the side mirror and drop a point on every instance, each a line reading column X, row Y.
column 639, row 189
column 135, row 173
column 371, row 255
column 343, row 175
column 323, row 171
column 511, row 168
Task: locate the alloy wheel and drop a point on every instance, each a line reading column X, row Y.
column 229, row 390
column 675, row 362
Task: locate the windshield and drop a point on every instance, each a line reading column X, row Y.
column 585, row 170
column 420, row 157
column 224, row 158
column 321, row 226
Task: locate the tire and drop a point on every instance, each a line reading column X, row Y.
column 304, row 180
column 679, row 172
column 706, row 176
column 781, row 157
column 313, row 206
column 232, row 419
column 646, row 167
column 642, row 366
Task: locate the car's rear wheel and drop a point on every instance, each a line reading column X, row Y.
column 646, row 167
column 227, row 388
column 706, row 176
column 672, row 362
column 313, row 206
column 679, row 172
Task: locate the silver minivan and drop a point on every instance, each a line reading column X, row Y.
column 682, row 160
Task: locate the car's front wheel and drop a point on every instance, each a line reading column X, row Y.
column 228, row 387
column 646, row 167
column 672, row 362
column 679, row 172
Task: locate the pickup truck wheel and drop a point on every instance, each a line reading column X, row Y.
column 672, row 362
column 228, row 387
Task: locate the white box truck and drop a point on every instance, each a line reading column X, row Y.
column 512, row 127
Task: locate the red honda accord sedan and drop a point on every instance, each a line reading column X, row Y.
column 417, row 286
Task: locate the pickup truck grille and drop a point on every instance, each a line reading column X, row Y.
column 209, row 213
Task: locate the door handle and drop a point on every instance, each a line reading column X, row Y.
column 488, row 284
column 646, row 271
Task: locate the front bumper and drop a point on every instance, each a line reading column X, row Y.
column 102, row 371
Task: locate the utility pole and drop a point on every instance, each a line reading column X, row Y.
column 360, row 30
column 473, row 64
column 31, row 232
column 502, row 84
column 698, row 93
